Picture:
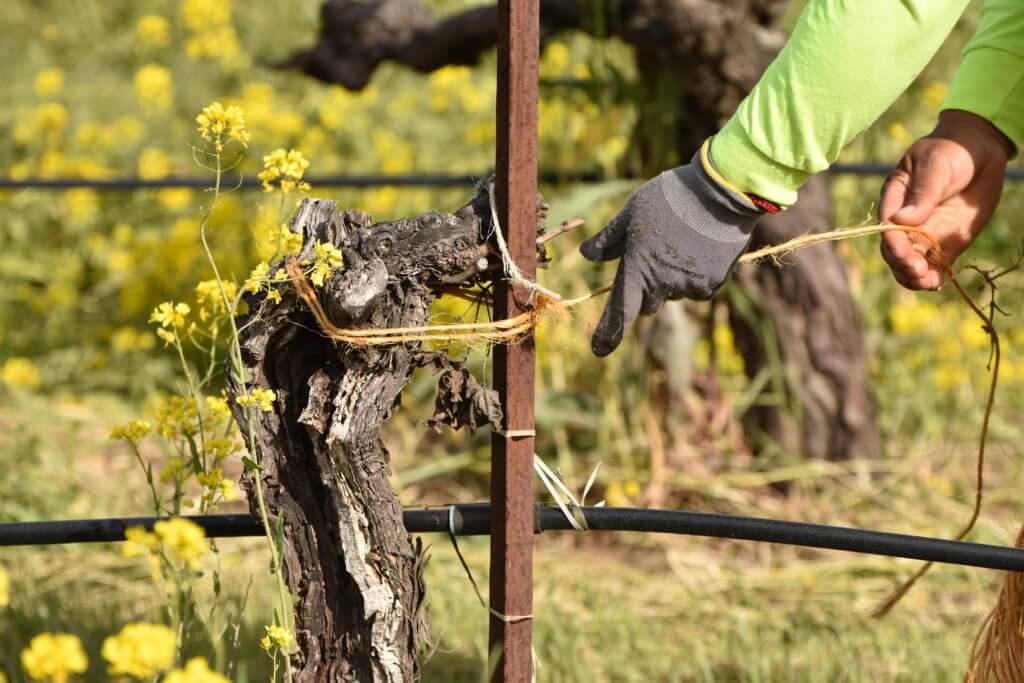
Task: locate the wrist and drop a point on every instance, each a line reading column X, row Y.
column 974, row 132
column 711, row 169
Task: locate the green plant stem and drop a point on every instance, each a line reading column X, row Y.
column 239, row 371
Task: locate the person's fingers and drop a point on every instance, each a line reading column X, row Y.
column 894, row 191
column 900, row 253
column 619, row 313
column 610, row 242
column 926, row 187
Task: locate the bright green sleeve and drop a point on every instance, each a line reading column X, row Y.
column 990, row 80
column 844, row 64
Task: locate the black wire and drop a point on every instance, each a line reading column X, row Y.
column 473, row 519
column 251, row 183
column 550, row 177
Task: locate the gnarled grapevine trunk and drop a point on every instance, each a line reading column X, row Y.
column 697, row 60
column 347, row 558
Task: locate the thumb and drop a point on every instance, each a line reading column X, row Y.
column 610, row 242
column 926, row 188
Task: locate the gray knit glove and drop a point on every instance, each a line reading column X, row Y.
column 679, row 235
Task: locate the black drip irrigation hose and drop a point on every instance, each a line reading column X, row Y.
column 368, row 181
column 473, row 519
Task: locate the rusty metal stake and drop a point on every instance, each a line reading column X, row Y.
column 511, row 589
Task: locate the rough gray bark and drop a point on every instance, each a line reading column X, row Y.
column 697, row 59
column 815, row 321
column 347, row 558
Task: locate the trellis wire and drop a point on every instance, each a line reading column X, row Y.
column 473, row 519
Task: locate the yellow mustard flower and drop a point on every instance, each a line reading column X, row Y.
column 219, row 125
column 973, row 334
column 261, row 398
column 127, row 129
column 913, row 316
column 174, row 198
column 950, row 376
column 48, row 82
column 170, row 315
column 138, row 541
column 220, row 449
column 173, row 471
column 140, row 650
column 129, row 339
column 900, row 135
column 220, row 44
column 218, row 408
column 284, row 167
column 258, row 276
column 211, row 300
column 154, row 164
column 152, row 31
column 227, row 489
column 154, row 88
column 51, row 117
column 935, row 92
column 196, row 670
column 277, row 636
column 82, row 204
column 202, row 15
column 54, row 657
column 556, row 60
column 327, row 258
column 182, row 540
column 177, row 416
column 5, row 588
column 211, row 479
column 134, row 431
column 20, row 373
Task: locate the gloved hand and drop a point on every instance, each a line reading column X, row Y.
column 679, row 235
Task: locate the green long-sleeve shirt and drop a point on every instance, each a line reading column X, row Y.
column 844, row 64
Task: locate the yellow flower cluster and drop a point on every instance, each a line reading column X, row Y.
column 140, row 650
column 326, row 259
column 177, row 416
column 219, row 125
column 211, row 32
column 182, row 541
column 54, row 657
column 277, row 636
column 284, row 167
column 154, row 164
column 260, row 279
column 5, row 588
column 129, row 339
column 20, row 373
column 134, row 431
column 260, row 398
column 196, row 670
column 154, row 88
column 170, row 317
column 48, row 82
column 152, row 31
column 211, row 300
column 216, row 485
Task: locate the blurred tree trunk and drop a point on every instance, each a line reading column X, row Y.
column 697, row 60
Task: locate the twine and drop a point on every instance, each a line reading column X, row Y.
column 548, row 303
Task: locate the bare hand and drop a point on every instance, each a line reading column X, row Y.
column 948, row 183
